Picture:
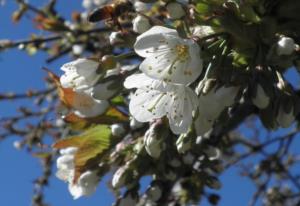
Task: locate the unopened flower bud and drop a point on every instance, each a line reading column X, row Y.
column 17, row 145
column 77, row 49
column 21, row 46
column 117, row 130
column 115, row 38
column 140, row 6
column 140, row 24
column 134, row 124
column 119, row 177
column 153, row 144
column 59, row 122
column 212, row 153
column 285, row 46
column 87, row 4
column 261, row 99
column 175, row 10
column 154, row 193
column 285, row 119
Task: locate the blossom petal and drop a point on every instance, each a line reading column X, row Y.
column 151, row 39
column 102, row 92
column 88, row 65
column 85, row 186
column 146, row 105
column 180, row 115
column 86, row 106
column 137, row 81
column 166, row 64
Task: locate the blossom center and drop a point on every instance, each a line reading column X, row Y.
column 182, row 51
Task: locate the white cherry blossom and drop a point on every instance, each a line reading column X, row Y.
column 87, row 182
column 86, row 106
column 285, row 46
column 80, row 74
column 168, row 57
column 85, row 186
column 154, row 99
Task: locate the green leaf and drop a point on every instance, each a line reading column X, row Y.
column 111, row 116
column 91, row 145
column 118, row 100
column 203, row 8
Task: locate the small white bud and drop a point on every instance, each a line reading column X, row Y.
column 175, row 10
column 261, row 100
column 118, row 179
column 284, row 119
column 115, row 38
column 59, row 122
column 134, row 124
column 285, row 46
column 87, row 4
column 17, row 145
column 140, row 6
column 213, row 153
column 154, row 193
column 117, row 130
column 77, row 49
column 21, row 46
column 153, row 145
column 140, row 24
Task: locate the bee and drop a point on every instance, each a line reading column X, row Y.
column 111, row 11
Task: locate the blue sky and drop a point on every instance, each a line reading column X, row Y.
column 20, row 72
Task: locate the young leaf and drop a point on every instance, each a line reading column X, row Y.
column 66, row 95
column 91, row 145
column 111, row 116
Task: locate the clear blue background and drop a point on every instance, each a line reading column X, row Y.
column 18, row 170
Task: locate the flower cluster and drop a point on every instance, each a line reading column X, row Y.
column 187, row 84
column 171, row 64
